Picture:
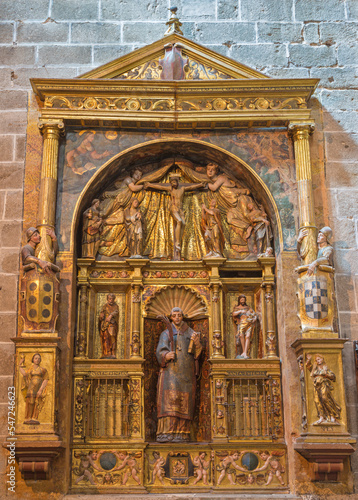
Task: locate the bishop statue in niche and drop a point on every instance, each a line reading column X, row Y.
column 177, row 353
column 179, row 211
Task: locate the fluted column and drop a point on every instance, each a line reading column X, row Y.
column 300, row 133
column 51, row 131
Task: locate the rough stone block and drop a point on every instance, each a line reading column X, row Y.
column 7, row 351
column 341, row 174
column 348, row 324
column 71, row 10
column 288, row 72
column 133, row 10
column 2, row 201
column 308, row 56
column 21, row 76
column 228, row 9
column 346, row 262
column 8, row 322
column 9, row 261
column 341, row 146
column 13, row 122
column 142, row 32
column 20, row 146
column 340, row 120
column 17, row 56
column 11, row 175
column 225, row 33
column 347, row 203
column 348, row 55
column 332, row 33
column 352, row 9
column 55, row 55
column 346, row 294
column 340, row 99
column 5, row 78
column 336, row 77
column 13, row 99
column 311, row 33
column 260, row 55
column 316, row 10
column 13, row 205
column 7, row 32
column 279, row 32
column 190, row 10
column 42, row 32
column 266, row 10
column 107, row 53
column 8, row 292
column 5, row 382
column 95, row 32
column 6, row 149
column 24, row 9
column 221, row 49
column 10, row 234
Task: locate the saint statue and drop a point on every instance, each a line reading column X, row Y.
column 177, row 353
column 325, row 249
column 133, row 220
column 108, row 327
column 92, row 228
column 177, row 191
column 35, row 380
column 328, row 409
column 260, row 226
column 246, row 318
column 213, row 230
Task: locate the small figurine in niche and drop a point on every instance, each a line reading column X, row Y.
column 178, row 350
column 29, row 260
column 85, row 469
column 177, row 191
column 246, row 319
column 133, row 220
column 272, row 462
column 108, row 327
column 202, row 468
column 35, row 380
column 92, row 228
column 158, row 470
column 228, row 466
column 129, row 463
column 325, row 249
column 212, row 230
column 260, row 225
column 328, row 409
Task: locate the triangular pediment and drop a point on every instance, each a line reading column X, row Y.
column 203, row 64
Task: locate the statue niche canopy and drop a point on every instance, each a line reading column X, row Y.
column 171, row 179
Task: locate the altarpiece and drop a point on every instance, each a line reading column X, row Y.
column 172, row 187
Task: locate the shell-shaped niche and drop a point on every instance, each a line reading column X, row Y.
column 163, row 301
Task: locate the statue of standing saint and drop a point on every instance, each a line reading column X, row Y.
column 108, row 327
column 213, row 230
column 246, row 319
column 177, row 353
column 177, row 192
column 133, row 220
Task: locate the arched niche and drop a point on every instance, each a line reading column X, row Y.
column 154, row 153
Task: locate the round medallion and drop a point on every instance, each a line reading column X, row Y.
column 108, row 460
column 250, row 461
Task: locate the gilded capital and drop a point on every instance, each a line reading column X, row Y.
column 301, row 131
column 51, row 127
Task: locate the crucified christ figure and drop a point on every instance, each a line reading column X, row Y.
column 177, row 192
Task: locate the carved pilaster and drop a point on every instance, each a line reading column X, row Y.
column 135, row 408
column 220, row 428
column 136, row 306
column 300, row 133
column 51, row 131
column 217, row 342
column 81, row 347
column 270, row 334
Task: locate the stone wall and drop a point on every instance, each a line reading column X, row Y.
column 286, row 38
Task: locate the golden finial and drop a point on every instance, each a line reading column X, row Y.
column 173, row 23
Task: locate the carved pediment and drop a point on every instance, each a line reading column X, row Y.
column 203, row 63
